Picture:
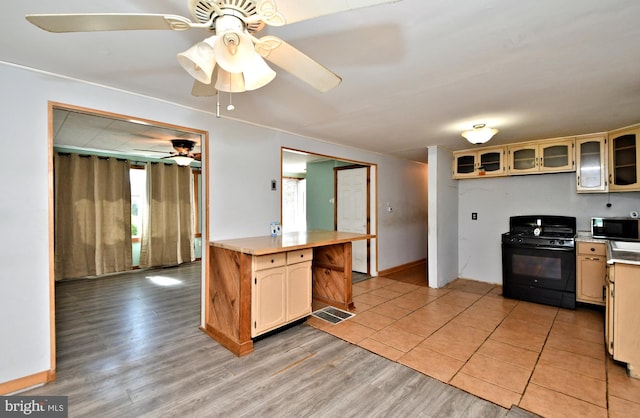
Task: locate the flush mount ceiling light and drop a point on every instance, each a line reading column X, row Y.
column 479, row 134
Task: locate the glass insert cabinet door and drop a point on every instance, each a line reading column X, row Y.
column 591, row 154
column 625, row 172
column 491, row 161
column 555, row 156
column 524, row 159
column 476, row 163
column 542, row 156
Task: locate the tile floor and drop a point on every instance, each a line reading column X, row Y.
column 549, row 361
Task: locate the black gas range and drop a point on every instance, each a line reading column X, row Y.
column 539, row 260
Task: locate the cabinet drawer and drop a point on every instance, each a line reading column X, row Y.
column 262, row 262
column 591, row 248
column 299, row 256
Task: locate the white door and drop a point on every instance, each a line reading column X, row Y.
column 352, row 211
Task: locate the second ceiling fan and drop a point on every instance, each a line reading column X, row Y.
column 231, row 59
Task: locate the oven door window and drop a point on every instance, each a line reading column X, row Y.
column 546, row 268
column 536, row 266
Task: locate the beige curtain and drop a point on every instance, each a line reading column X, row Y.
column 92, row 199
column 167, row 235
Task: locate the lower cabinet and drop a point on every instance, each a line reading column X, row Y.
column 280, row 289
column 591, row 268
column 623, row 316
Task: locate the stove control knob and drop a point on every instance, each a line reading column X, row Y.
column 520, row 240
column 552, row 242
column 560, row 242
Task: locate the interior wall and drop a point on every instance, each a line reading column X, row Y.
column 320, row 194
column 443, row 219
column 496, row 199
column 244, row 160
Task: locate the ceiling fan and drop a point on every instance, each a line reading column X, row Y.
column 182, row 155
column 231, row 59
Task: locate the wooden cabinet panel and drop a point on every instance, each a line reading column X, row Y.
column 262, row 262
column 624, row 159
column 298, row 290
column 626, row 317
column 268, row 297
column 608, row 331
column 591, row 271
column 332, row 275
column 228, row 312
column 485, row 162
column 299, row 256
column 280, row 295
column 548, row 156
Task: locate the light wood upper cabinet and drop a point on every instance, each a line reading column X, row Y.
column 624, row 159
column 549, row 156
column 485, row 162
column 591, row 164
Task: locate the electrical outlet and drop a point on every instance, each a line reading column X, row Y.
column 474, row 216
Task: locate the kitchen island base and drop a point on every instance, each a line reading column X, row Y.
column 235, row 267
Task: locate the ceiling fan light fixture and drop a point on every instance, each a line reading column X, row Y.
column 480, row 134
column 182, row 160
column 199, row 60
column 230, row 82
column 258, row 74
column 234, row 51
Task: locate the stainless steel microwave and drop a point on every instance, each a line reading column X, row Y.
column 615, row 228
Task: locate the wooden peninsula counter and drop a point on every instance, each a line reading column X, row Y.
column 256, row 285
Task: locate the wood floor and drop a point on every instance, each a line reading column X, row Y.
column 129, row 346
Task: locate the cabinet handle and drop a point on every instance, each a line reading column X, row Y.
column 593, row 258
column 604, row 292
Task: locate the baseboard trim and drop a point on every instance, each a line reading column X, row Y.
column 27, row 382
column 400, row 268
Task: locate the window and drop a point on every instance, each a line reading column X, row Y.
column 138, row 178
column 197, row 203
column 294, row 204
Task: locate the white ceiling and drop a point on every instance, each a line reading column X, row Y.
column 415, row 73
column 77, row 130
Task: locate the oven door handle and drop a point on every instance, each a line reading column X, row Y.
column 539, row 247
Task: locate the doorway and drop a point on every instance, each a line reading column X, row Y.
column 322, row 203
column 352, row 210
column 106, row 134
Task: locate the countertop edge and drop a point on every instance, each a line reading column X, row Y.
column 264, row 245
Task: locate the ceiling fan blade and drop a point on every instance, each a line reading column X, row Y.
column 284, row 12
column 298, row 64
column 92, row 22
column 204, row 90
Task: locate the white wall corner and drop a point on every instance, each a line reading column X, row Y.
column 442, row 234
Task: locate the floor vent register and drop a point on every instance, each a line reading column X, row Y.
column 333, row 315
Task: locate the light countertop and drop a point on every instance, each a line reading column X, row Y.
column 625, row 257
column 288, row 241
column 585, row 236
column 613, row 256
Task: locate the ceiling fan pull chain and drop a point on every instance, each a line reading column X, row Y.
column 231, row 106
